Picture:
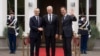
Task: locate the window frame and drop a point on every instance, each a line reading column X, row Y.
column 16, row 11
column 87, row 11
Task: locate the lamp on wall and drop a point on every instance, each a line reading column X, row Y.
column 30, row 4
column 72, row 3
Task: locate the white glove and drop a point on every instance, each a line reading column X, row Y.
column 16, row 34
column 89, row 36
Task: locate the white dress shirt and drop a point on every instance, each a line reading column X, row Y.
column 37, row 17
column 49, row 17
column 65, row 16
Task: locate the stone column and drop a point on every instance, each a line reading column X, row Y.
column 30, row 5
column 3, row 18
column 74, row 4
column 98, row 14
column 3, row 15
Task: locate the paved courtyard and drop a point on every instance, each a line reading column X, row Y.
column 19, row 53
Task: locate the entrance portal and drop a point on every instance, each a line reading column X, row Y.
column 42, row 4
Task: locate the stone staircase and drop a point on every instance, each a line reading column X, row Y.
column 97, row 44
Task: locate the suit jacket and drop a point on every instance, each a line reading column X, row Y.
column 67, row 30
column 34, row 27
column 50, row 28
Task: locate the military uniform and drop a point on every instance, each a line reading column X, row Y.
column 11, row 24
column 84, row 28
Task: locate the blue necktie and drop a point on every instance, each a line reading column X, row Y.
column 50, row 18
column 38, row 20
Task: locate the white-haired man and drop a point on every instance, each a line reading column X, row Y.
column 50, row 25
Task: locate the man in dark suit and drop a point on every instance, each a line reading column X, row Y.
column 67, row 31
column 50, row 24
column 11, row 24
column 35, row 32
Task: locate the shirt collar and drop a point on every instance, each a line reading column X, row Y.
column 65, row 15
column 49, row 14
column 36, row 16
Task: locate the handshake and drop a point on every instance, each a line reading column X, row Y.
column 56, row 35
column 40, row 29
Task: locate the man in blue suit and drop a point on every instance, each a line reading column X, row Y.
column 67, row 31
column 35, row 32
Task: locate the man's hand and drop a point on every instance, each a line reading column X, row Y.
column 40, row 29
column 60, row 37
column 41, row 36
column 72, row 12
column 56, row 36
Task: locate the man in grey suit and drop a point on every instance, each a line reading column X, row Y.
column 67, row 31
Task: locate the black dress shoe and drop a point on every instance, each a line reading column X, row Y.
column 12, row 52
column 82, row 52
column 85, row 52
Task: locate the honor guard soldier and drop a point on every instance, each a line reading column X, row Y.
column 11, row 24
column 84, row 28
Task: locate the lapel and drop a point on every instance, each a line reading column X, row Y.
column 53, row 17
column 47, row 18
column 35, row 21
column 40, row 21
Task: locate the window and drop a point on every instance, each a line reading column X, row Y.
column 19, row 9
column 10, row 5
column 88, row 7
column 82, row 7
column 92, row 7
column 92, row 11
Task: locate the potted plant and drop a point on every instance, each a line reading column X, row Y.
column 19, row 37
column 94, row 36
column 5, row 32
column 20, row 33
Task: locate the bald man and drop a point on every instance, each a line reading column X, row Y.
column 35, row 32
column 50, row 25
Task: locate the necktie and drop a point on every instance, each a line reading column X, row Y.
column 38, row 20
column 50, row 18
column 63, row 18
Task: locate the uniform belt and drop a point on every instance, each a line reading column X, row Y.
column 11, row 26
column 83, row 28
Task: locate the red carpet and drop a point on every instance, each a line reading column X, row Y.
column 59, row 52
